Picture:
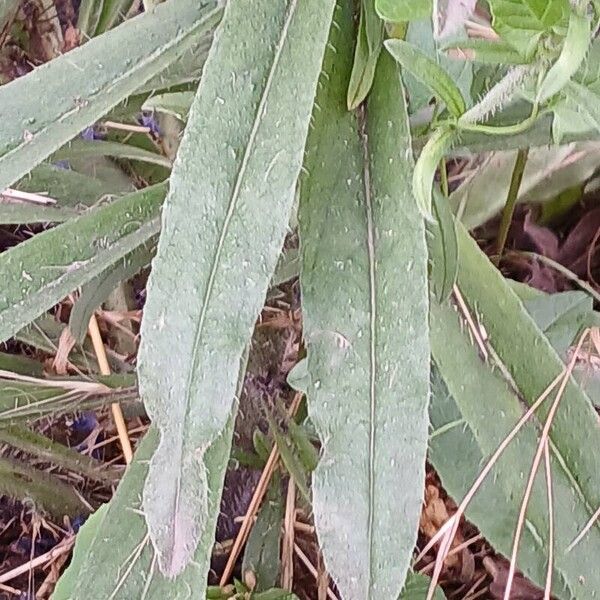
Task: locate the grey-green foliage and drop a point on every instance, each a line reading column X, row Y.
column 72, row 91
column 420, row 35
column 416, row 587
column 364, row 291
column 368, row 46
column 44, row 449
column 113, row 556
column 41, row 271
column 472, row 410
column 43, row 491
column 238, row 161
column 95, row 292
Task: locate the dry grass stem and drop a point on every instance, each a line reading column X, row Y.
column 117, row 413
column 62, row 548
column 257, row 498
column 287, row 550
column 536, row 463
column 447, row 532
column 548, row 469
column 311, row 569
column 20, row 196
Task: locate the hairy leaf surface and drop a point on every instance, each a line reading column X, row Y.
column 364, row 289
column 224, row 223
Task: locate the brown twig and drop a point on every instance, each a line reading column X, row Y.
column 58, row 550
column 287, row 551
column 117, row 413
column 306, row 562
column 536, row 463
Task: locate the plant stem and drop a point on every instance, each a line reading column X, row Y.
column 444, row 178
column 511, row 199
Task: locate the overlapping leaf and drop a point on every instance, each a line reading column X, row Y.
column 84, row 84
column 224, row 223
column 41, row 271
column 364, row 291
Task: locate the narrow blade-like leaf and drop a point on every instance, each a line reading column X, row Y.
column 418, row 64
column 443, row 248
column 224, row 224
column 364, row 290
column 424, row 172
column 471, row 425
column 87, row 82
column 41, row 271
column 533, row 364
column 574, row 50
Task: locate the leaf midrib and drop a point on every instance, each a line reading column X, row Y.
column 372, row 332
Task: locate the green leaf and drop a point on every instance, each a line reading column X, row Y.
column 572, row 55
column 587, row 101
column 522, row 22
column 466, row 426
column 429, row 72
column 84, row 149
column 494, row 52
column 239, row 159
column 113, row 12
column 420, row 35
column 533, row 364
column 21, row 364
column 24, row 401
column 443, row 248
column 366, row 53
column 275, row 594
column 69, row 188
column 46, row 450
column 23, row 212
column 571, row 117
column 307, row 453
column 94, row 293
column 44, row 491
column 174, row 103
column 561, row 317
column 117, row 535
column 261, row 555
column 364, row 271
column 427, row 164
column 399, row 11
column 44, row 269
column 290, row 461
column 80, row 87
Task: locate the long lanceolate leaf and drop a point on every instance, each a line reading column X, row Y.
column 364, row 289
column 84, row 84
column 471, row 424
column 40, row 272
column 224, row 223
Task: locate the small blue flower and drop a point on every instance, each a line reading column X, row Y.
column 64, row 165
column 78, row 521
column 149, row 120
